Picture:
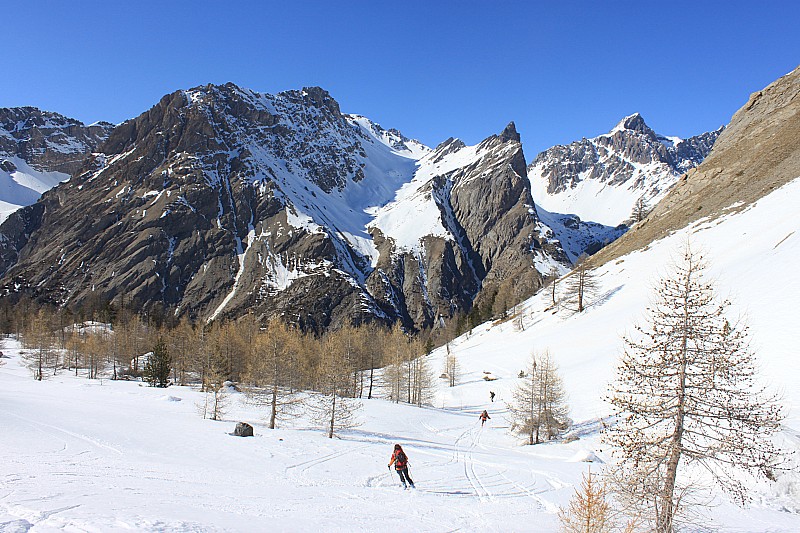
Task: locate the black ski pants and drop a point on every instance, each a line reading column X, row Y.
column 404, row 477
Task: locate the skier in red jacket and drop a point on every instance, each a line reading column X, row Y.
column 400, row 460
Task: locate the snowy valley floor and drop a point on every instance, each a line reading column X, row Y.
column 99, row 455
column 83, row 455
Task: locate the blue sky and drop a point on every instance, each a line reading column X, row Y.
column 561, row 70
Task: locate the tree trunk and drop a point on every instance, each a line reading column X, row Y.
column 664, row 523
column 333, row 416
column 274, row 404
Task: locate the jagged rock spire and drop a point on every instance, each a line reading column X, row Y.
column 510, row 133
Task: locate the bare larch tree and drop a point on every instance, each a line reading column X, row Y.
column 580, row 286
column 538, row 402
column 686, row 393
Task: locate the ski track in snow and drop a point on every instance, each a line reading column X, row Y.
column 77, row 466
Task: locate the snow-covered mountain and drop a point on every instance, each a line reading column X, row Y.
column 38, row 150
column 220, row 200
column 601, row 179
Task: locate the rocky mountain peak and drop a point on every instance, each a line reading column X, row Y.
column 756, row 153
column 634, row 122
column 322, row 98
column 632, row 157
column 445, row 148
column 220, row 200
column 510, row 133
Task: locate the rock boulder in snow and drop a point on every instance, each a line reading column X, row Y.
column 243, row 429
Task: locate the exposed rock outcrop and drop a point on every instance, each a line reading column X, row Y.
column 631, row 162
column 48, row 141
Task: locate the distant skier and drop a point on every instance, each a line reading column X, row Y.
column 484, row 417
column 491, row 395
column 400, row 460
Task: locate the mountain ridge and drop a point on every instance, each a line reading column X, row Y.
column 755, row 154
column 220, row 199
column 630, row 163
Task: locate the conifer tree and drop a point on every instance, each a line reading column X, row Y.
column 215, row 386
column 332, row 407
column 589, row 510
column 394, row 376
column 451, row 367
column 158, row 366
column 552, row 277
column 422, row 378
column 39, row 340
column 581, row 286
column 373, row 354
column 270, row 370
column 538, row 403
column 640, row 210
column 686, row 393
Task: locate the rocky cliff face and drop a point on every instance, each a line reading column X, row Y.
column 757, row 153
column 600, row 179
column 219, row 201
column 48, row 141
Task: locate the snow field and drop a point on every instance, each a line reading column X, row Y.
column 117, row 456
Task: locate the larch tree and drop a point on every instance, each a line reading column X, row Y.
column 394, row 376
column 181, row 344
column 552, row 277
column 39, row 340
column 215, row 386
column 451, row 367
column 333, row 407
column 422, row 378
column 373, row 354
column 94, row 348
column 589, row 510
column 538, row 406
column 685, row 394
column 269, row 372
column 580, row 286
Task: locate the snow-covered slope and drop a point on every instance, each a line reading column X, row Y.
column 38, row 150
column 577, row 237
column 600, row 179
column 21, row 185
column 759, row 280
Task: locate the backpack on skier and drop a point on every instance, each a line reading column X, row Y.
column 400, row 459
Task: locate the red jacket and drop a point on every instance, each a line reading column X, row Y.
column 400, row 459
